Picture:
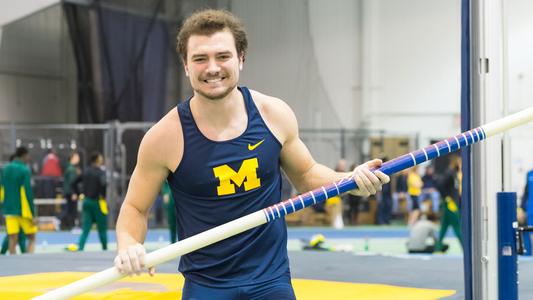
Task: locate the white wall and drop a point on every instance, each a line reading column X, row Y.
column 377, row 64
column 37, row 71
column 282, row 61
column 384, row 64
column 14, row 10
column 415, row 66
column 520, row 60
column 520, row 86
column 335, row 30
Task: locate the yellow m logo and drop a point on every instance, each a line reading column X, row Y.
column 247, row 174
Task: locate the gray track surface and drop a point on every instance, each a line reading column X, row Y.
column 434, row 272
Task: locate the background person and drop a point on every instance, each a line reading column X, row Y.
column 414, row 189
column 22, row 236
column 94, row 207
column 423, row 235
column 72, row 171
column 18, row 207
column 450, row 190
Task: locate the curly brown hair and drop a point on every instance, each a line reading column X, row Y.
column 207, row 22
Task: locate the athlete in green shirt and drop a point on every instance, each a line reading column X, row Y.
column 18, row 207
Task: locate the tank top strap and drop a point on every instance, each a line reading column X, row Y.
column 186, row 119
column 251, row 109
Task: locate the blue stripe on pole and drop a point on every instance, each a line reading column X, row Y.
column 403, row 162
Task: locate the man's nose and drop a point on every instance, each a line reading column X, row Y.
column 213, row 66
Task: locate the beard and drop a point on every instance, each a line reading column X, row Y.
column 219, row 92
column 216, row 95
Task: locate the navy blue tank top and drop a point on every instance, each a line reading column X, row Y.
column 220, row 181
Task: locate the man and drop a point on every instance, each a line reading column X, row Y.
column 22, row 236
column 525, row 211
column 221, row 152
column 429, row 190
column 423, row 235
column 400, row 192
column 51, row 165
column 18, row 207
column 334, row 205
column 385, row 203
column 72, row 171
column 449, row 185
column 414, row 189
column 94, row 208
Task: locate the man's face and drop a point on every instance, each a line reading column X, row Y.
column 100, row 160
column 75, row 159
column 213, row 64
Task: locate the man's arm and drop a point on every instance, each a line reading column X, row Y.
column 1, row 187
column 103, row 184
column 75, row 185
column 303, row 171
column 28, row 190
column 145, row 183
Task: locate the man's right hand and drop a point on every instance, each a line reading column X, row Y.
column 131, row 260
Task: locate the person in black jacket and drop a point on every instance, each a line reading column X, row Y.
column 94, row 209
column 449, row 185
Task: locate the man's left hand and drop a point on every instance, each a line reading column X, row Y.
column 369, row 182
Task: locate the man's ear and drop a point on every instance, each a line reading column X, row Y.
column 241, row 62
column 185, row 67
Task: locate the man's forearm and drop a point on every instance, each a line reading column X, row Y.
column 318, row 176
column 131, row 227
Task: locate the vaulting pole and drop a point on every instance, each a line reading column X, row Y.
column 299, row 202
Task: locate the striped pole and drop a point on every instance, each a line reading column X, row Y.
column 296, row 203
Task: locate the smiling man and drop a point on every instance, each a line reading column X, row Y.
column 221, row 152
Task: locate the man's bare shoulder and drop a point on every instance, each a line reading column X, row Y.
column 277, row 114
column 268, row 104
column 163, row 142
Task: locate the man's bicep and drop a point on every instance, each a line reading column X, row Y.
column 151, row 170
column 144, row 186
column 296, row 161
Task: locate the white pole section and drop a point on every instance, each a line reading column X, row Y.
column 159, row 256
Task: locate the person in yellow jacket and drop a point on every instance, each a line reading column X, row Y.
column 414, row 189
column 18, row 206
column 334, row 204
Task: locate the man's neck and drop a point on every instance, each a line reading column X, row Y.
column 220, row 112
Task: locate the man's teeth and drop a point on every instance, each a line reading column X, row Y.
column 213, row 80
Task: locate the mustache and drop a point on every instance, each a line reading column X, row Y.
column 213, row 76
